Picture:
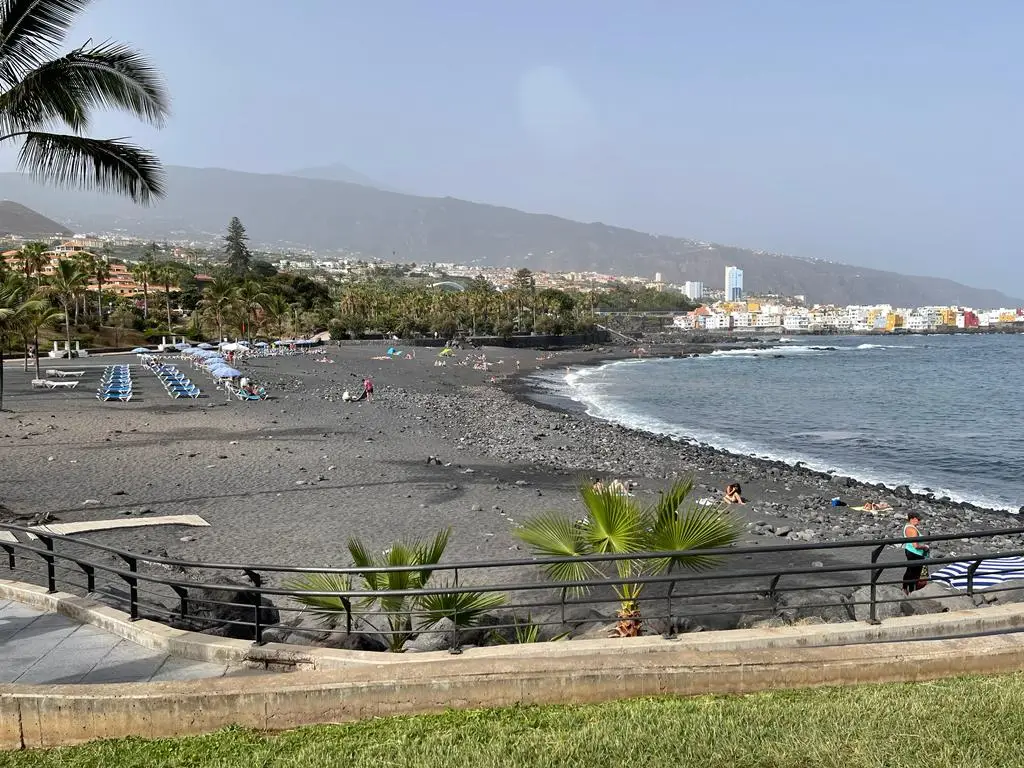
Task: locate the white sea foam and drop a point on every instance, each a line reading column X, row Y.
column 585, row 386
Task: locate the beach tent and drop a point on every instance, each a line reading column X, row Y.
column 991, row 573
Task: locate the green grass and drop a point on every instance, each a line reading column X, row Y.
column 966, row 722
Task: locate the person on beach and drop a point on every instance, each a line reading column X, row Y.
column 368, row 388
column 875, row 506
column 734, row 494
column 915, row 551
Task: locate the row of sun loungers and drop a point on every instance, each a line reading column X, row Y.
column 175, row 382
column 116, row 383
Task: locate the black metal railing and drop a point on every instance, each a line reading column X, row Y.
column 837, row 580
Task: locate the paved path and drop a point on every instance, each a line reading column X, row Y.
column 37, row 648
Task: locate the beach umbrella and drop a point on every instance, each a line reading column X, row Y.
column 262, row 344
column 140, row 351
column 180, row 345
column 231, row 346
column 991, row 573
column 204, row 345
column 224, row 372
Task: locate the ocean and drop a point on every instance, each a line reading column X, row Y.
column 938, row 413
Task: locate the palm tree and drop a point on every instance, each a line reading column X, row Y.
column 42, row 89
column 219, row 298
column 251, row 297
column 34, row 259
column 277, row 310
column 168, row 274
column 13, row 306
column 464, row 609
column 67, row 283
column 143, row 272
column 616, row 524
column 37, row 314
column 100, row 273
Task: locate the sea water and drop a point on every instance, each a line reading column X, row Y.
column 938, row 413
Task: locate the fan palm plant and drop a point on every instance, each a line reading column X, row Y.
column 40, row 88
column 463, row 608
column 66, row 284
column 616, row 524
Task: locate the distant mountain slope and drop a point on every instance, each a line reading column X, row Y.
column 338, row 172
column 16, row 219
column 287, row 211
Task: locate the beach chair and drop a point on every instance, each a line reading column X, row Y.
column 64, row 374
column 38, row 383
column 50, row 384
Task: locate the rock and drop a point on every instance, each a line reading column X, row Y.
column 829, row 605
column 437, row 638
column 889, row 599
column 213, row 610
column 935, row 598
column 783, row 530
column 1010, row 592
column 902, row 492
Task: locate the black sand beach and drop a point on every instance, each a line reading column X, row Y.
column 290, row 479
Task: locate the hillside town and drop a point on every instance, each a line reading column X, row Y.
column 730, row 308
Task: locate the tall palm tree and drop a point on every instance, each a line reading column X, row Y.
column 143, row 273
column 66, row 284
column 277, row 310
column 14, row 304
column 617, row 524
column 251, row 297
column 100, row 273
column 219, row 298
column 40, row 89
column 168, row 274
column 37, row 314
column 34, row 260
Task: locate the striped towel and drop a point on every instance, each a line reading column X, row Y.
column 990, row 573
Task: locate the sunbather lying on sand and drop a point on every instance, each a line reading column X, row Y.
column 874, row 506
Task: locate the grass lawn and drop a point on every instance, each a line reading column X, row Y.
column 977, row 721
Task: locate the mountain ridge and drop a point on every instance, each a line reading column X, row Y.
column 283, row 211
column 20, row 220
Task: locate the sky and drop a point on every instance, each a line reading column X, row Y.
column 877, row 133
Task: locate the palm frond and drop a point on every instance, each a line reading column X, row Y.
column 616, row 523
column 690, row 530
column 110, row 165
column 465, row 609
column 67, row 89
column 671, row 500
column 329, row 610
column 362, row 558
column 431, row 553
column 31, row 31
column 553, row 535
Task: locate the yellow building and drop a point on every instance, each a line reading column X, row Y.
column 1007, row 316
column 893, row 321
column 753, row 306
column 947, row 316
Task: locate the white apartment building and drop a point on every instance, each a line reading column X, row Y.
column 733, row 283
column 796, row 321
column 694, row 291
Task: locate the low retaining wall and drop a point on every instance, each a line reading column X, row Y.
column 337, row 686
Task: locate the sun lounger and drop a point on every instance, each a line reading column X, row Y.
column 50, row 384
column 39, row 383
column 64, row 374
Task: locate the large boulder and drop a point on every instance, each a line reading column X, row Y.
column 935, row 598
column 829, row 605
column 1010, row 592
column 889, row 599
column 228, row 612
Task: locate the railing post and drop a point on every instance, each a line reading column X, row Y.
column 773, row 590
column 10, row 556
column 257, row 604
column 970, row 577
column 562, row 602
column 90, row 577
column 182, row 593
column 670, row 626
column 133, row 586
column 455, row 646
column 51, row 568
column 875, row 574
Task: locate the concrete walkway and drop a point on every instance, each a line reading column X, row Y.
column 38, row 648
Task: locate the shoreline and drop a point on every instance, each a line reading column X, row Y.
column 525, row 390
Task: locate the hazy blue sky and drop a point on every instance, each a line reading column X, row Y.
column 874, row 132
